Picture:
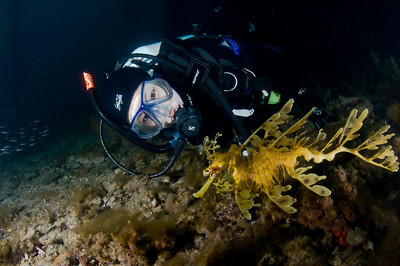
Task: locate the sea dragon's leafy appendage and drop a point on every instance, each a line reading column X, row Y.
column 271, row 154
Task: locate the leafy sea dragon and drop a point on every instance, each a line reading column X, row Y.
column 261, row 163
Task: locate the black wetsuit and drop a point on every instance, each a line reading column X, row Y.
column 245, row 60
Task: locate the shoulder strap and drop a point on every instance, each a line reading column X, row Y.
column 199, row 69
column 196, row 69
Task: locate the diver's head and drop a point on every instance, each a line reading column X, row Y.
column 144, row 104
column 153, row 107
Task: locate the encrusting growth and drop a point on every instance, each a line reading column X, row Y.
column 262, row 161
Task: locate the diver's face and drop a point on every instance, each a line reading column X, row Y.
column 153, row 107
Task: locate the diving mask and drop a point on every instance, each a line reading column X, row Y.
column 153, row 106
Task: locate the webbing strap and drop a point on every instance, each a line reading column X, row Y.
column 197, row 72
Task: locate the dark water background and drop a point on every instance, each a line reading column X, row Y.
column 45, row 45
column 60, row 181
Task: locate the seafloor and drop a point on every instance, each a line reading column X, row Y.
column 66, row 203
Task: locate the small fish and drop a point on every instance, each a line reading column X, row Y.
column 17, row 138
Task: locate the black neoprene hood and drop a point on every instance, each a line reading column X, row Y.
column 115, row 97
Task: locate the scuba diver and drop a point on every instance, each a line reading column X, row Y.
column 181, row 90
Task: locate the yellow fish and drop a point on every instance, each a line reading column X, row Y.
column 264, row 159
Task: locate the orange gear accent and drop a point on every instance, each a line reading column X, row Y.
column 88, row 81
column 341, row 236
